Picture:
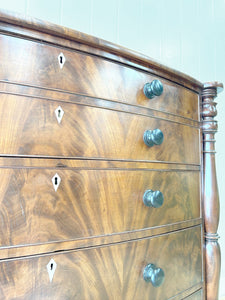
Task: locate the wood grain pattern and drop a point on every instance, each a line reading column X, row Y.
column 211, row 205
column 44, row 248
column 32, row 129
column 41, row 30
column 90, row 203
column 113, row 272
column 37, row 64
column 57, row 162
column 190, row 294
column 104, row 164
column 196, row 296
column 70, row 97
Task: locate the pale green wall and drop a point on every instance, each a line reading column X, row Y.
column 188, row 35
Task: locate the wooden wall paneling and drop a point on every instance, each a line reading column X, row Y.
column 184, row 153
column 106, row 13
column 78, row 17
column 48, row 10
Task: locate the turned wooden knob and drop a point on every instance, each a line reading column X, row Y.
column 153, row 198
column 153, row 137
column 154, row 275
column 152, row 89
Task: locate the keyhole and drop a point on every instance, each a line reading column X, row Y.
column 61, row 60
column 56, row 182
column 59, row 113
column 51, row 266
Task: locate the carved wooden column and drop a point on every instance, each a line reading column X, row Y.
column 210, row 190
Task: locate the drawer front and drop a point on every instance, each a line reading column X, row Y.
column 30, row 127
column 37, row 64
column 196, row 296
column 90, row 202
column 111, row 272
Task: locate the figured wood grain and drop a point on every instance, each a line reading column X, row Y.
column 211, row 204
column 32, row 129
column 99, row 74
column 44, row 248
column 194, row 293
column 37, row 64
column 90, row 203
column 112, row 272
column 28, row 27
column 57, row 162
column 70, row 97
column 196, row 296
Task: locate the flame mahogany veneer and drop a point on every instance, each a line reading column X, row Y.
column 74, row 168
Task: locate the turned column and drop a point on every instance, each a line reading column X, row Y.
column 210, row 190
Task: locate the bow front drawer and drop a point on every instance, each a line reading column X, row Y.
column 111, row 272
column 47, row 205
column 36, row 127
column 37, row 64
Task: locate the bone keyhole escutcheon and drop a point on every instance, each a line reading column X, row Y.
column 59, row 114
column 56, row 181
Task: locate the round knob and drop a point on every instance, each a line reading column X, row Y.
column 153, row 137
column 152, row 89
column 153, row 199
column 153, row 274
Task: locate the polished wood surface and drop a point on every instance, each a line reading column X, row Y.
column 69, row 97
column 196, row 296
column 27, row 27
column 96, row 226
column 88, row 75
column 112, row 272
column 210, row 190
column 33, row 129
column 32, row 212
column 56, row 246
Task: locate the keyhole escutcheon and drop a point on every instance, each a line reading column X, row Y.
column 56, row 181
column 59, row 112
column 61, row 60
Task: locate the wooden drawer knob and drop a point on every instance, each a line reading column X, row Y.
column 153, row 198
column 152, row 89
column 154, row 275
column 153, row 137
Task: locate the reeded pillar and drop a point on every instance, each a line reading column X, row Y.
column 211, row 207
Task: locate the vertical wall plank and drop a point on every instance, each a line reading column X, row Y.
column 128, row 24
column 104, row 19
column 14, row 5
column 171, row 39
column 47, row 10
column 151, row 25
column 187, row 35
column 190, row 37
column 207, row 41
column 77, row 15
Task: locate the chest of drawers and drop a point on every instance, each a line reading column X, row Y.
column 107, row 171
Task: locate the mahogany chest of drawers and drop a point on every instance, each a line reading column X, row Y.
column 107, row 172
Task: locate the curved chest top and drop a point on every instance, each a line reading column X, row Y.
column 27, row 27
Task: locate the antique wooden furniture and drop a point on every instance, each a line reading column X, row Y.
column 107, row 172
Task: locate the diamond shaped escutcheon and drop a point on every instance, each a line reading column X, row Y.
column 51, row 267
column 62, row 60
column 59, row 112
column 56, row 181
